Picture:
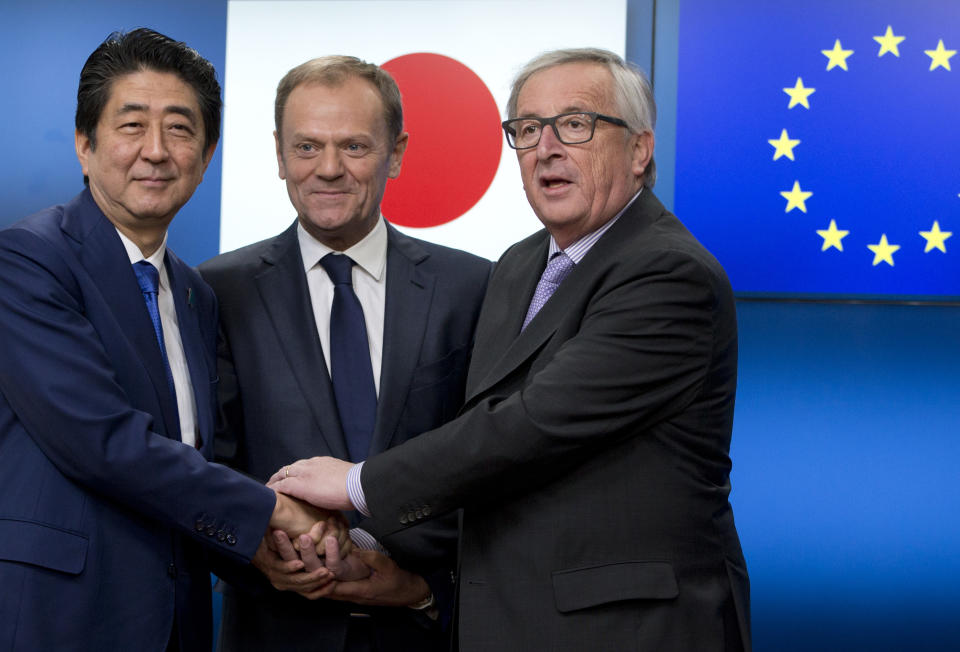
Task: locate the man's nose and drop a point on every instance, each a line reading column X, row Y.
column 549, row 144
column 329, row 163
column 154, row 147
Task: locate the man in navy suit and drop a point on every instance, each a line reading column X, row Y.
column 108, row 381
column 339, row 137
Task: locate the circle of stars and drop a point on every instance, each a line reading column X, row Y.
column 783, row 147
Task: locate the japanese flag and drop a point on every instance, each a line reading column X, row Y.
column 454, row 62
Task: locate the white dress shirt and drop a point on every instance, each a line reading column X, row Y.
column 186, row 404
column 369, row 284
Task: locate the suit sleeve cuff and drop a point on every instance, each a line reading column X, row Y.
column 355, row 489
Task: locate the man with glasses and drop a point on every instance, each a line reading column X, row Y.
column 591, row 458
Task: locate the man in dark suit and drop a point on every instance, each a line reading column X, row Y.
column 591, row 456
column 339, row 138
column 108, row 381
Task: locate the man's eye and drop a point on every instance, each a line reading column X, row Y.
column 574, row 123
column 529, row 128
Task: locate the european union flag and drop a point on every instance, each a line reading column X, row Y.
column 818, row 144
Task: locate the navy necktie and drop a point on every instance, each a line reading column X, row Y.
column 350, row 368
column 149, row 279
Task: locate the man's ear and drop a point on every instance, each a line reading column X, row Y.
column 641, row 151
column 280, row 169
column 84, row 147
column 208, row 156
column 396, row 156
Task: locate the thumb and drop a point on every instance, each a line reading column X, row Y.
column 375, row 561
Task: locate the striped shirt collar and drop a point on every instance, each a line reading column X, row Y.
column 579, row 249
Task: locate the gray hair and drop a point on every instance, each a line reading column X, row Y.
column 333, row 71
column 631, row 90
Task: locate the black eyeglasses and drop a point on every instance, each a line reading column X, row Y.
column 570, row 128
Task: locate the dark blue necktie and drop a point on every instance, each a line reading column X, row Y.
column 350, row 369
column 149, row 279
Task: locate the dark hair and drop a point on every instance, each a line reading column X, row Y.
column 144, row 49
column 333, row 71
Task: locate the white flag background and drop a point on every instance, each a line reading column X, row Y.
column 491, row 38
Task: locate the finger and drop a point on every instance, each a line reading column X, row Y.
column 325, row 591
column 346, row 546
column 308, row 554
column 374, row 560
column 317, row 531
column 290, row 486
column 332, row 558
column 284, row 546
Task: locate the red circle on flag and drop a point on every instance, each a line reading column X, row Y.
column 455, row 140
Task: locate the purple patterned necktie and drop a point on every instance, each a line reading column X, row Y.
column 557, row 269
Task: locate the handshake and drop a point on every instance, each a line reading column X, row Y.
column 308, row 549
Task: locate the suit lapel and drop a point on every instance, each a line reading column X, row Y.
column 409, row 292
column 509, row 296
column 498, row 336
column 106, row 260
column 283, row 289
column 188, row 323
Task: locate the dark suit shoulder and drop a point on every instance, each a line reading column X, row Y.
column 246, row 261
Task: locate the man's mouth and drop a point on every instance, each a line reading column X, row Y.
column 553, row 182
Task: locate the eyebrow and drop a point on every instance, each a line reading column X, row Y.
column 177, row 109
column 569, row 109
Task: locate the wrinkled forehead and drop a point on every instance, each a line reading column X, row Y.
column 578, row 86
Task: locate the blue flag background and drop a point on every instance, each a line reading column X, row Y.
column 878, row 145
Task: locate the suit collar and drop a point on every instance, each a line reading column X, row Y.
column 409, row 293
column 191, row 337
column 510, row 292
column 282, row 285
column 370, row 253
column 102, row 254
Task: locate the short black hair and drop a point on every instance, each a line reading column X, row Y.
column 144, row 49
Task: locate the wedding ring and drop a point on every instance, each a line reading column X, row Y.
column 286, row 472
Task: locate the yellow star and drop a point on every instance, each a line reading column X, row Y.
column 784, row 146
column 796, row 198
column 935, row 238
column 883, row 250
column 888, row 42
column 940, row 56
column 832, row 237
column 798, row 94
column 837, row 56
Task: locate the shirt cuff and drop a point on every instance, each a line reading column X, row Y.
column 355, row 489
column 366, row 541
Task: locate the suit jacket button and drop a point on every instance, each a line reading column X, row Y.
column 231, row 540
column 403, row 518
column 411, row 517
column 172, row 570
column 221, row 536
column 199, row 525
column 419, row 513
column 211, row 531
column 426, row 510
